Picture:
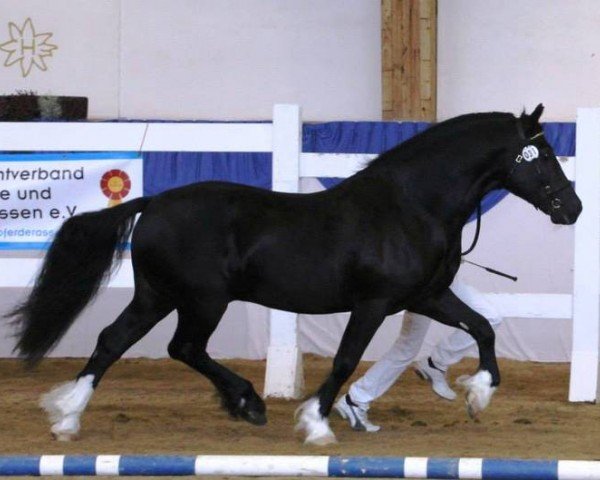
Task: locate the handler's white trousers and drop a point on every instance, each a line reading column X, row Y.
column 384, row 373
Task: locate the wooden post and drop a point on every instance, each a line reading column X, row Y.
column 408, row 38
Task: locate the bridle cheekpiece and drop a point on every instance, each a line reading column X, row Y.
column 529, row 153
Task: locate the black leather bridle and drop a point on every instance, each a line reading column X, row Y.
column 550, row 192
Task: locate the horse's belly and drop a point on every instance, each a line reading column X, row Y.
column 315, row 299
column 299, row 290
column 307, row 304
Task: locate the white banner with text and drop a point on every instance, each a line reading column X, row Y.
column 39, row 191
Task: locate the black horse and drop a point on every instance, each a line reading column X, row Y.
column 384, row 240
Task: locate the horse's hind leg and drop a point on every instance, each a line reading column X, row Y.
column 66, row 403
column 312, row 414
column 197, row 322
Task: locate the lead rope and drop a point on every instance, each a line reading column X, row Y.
column 472, row 247
column 477, row 230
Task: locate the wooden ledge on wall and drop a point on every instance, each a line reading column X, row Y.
column 25, row 107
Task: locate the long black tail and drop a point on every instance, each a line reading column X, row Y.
column 79, row 258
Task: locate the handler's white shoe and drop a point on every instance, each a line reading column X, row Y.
column 356, row 415
column 427, row 370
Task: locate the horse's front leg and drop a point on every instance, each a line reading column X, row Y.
column 312, row 414
column 447, row 308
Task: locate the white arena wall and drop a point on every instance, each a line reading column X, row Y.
column 506, row 55
column 206, row 59
column 193, row 59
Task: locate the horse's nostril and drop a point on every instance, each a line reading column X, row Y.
column 563, row 218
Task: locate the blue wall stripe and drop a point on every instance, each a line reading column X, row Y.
column 24, row 245
column 502, row 469
column 35, row 246
column 367, row 467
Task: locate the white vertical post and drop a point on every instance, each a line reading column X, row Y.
column 583, row 385
column 284, row 375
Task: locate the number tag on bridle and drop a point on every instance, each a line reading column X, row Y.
column 530, row 152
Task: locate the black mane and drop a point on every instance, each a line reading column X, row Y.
column 450, row 127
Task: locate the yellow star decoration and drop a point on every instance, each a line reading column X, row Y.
column 27, row 47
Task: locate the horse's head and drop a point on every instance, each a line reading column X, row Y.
column 535, row 175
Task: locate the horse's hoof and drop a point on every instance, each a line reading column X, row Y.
column 313, row 424
column 470, row 411
column 255, row 418
column 66, row 431
column 64, row 437
column 321, row 440
column 478, row 392
column 64, row 405
column 251, row 408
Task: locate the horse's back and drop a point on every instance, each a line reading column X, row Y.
column 189, row 233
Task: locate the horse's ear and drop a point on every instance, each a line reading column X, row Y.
column 537, row 113
column 531, row 121
column 523, row 115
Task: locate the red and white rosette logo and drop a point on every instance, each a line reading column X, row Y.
column 115, row 184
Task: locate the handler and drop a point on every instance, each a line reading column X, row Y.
column 383, row 374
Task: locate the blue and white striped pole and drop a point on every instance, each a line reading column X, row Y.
column 299, row 466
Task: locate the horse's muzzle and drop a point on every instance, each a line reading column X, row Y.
column 567, row 214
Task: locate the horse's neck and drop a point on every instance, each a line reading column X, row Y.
column 448, row 188
column 452, row 194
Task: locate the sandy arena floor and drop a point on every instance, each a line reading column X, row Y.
column 160, row 406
